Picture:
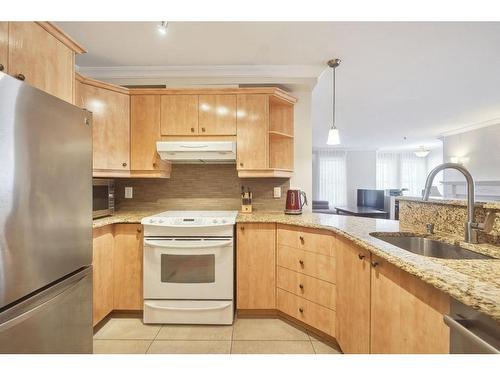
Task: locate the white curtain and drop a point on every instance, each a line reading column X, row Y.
column 401, row 170
column 388, row 170
column 330, row 177
column 413, row 173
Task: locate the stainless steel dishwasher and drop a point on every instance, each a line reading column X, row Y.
column 472, row 332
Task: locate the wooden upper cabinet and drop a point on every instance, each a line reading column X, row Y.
column 4, row 46
column 127, row 265
column 179, row 114
column 353, row 298
column 145, row 132
column 110, row 107
column 217, row 114
column 256, row 266
column 406, row 313
column 252, row 132
column 42, row 59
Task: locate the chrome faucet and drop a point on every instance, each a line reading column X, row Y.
column 471, row 227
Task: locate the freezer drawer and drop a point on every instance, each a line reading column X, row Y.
column 56, row 320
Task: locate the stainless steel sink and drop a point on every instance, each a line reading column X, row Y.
column 429, row 248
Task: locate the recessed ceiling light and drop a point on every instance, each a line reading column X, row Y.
column 162, row 28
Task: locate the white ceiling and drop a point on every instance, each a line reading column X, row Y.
column 396, row 79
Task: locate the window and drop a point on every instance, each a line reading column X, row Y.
column 401, row 170
column 330, row 177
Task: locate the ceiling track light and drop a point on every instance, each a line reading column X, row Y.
column 333, row 132
column 162, row 27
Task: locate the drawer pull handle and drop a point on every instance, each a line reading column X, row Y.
column 301, row 310
column 139, row 230
column 124, row 164
column 242, row 228
column 203, row 130
column 301, row 262
column 301, row 286
column 301, row 239
column 192, row 130
column 2, row 67
column 374, row 264
column 20, row 77
column 361, row 256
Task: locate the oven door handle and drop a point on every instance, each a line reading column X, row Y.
column 468, row 335
column 190, row 245
column 221, row 307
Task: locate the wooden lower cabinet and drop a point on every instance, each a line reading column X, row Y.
column 117, row 269
column 256, row 266
column 406, row 313
column 127, row 264
column 311, row 313
column 102, row 262
column 353, row 298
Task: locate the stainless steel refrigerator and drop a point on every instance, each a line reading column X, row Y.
column 45, row 222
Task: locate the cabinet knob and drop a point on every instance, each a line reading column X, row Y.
column 301, row 310
column 242, row 228
column 374, row 264
column 301, row 286
column 301, row 239
column 203, row 129
column 301, row 262
column 192, row 130
column 124, row 164
column 241, row 164
column 139, row 230
column 20, row 77
column 361, row 256
column 2, row 67
column 154, row 165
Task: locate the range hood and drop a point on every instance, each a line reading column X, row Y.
column 197, row 152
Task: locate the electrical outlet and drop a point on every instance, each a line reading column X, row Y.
column 129, row 192
column 277, row 192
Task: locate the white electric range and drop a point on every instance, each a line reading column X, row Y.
column 189, row 267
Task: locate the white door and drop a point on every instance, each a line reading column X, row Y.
column 188, row 268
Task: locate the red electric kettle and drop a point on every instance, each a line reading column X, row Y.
column 294, row 201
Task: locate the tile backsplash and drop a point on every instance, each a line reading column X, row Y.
column 200, row 187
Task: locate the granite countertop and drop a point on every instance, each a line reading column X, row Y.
column 475, row 283
column 491, row 205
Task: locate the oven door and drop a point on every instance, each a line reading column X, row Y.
column 188, row 268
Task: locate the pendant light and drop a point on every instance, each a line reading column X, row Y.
column 333, row 133
column 422, row 152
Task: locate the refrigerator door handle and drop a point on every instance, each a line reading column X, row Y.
column 69, row 284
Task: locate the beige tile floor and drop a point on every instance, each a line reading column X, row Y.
column 245, row 336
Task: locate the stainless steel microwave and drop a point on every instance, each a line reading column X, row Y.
column 103, row 197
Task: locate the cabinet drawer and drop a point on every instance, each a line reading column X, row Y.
column 316, row 265
column 314, row 290
column 308, row 312
column 307, row 240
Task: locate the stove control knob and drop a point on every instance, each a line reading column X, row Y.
column 160, row 221
column 214, row 221
column 223, row 221
column 151, row 221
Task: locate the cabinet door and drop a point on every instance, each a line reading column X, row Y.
column 353, row 298
column 256, row 266
column 45, row 62
column 4, row 46
column 128, row 252
column 179, row 114
column 145, row 132
column 252, row 132
column 110, row 126
column 217, row 114
column 102, row 262
column 406, row 313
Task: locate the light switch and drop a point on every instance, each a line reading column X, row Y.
column 129, row 192
column 277, row 192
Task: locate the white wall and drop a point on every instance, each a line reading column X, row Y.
column 302, row 177
column 361, row 173
column 479, row 151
